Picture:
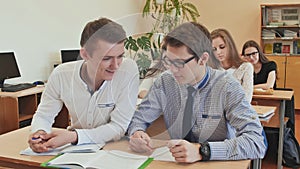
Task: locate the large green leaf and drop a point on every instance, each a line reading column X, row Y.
column 144, row 43
column 143, row 63
column 131, row 44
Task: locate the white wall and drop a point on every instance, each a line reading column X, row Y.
column 36, row 30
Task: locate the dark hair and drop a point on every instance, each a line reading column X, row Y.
column 252, row 43
column 262, row 57
column 195, row 37
column 234, row 57
column 101, row 29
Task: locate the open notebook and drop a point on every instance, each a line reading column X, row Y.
column 113, row 159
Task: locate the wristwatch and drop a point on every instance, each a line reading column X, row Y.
column 204, row 151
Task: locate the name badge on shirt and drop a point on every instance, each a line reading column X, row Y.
column 206, row 116
column 106, row 105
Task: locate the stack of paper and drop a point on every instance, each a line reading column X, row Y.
column 268, row 34
column 289, row 33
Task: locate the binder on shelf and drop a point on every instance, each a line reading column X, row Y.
column 296, row 47
column 277, row 46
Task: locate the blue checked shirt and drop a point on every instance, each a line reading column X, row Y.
column 220, row 109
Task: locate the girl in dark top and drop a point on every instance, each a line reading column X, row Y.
column 264, row 70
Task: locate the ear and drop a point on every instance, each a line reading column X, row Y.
column 84, row 54
column 203, row 59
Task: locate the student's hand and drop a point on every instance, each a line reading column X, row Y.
column 59, row 138
column 36, row 141
column 142, row 94
column 184, row 151
column 140, row 142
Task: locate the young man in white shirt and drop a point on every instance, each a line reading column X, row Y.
column 100, row 92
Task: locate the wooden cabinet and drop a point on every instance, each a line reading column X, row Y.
column 280, row 40
column 16, row 107
column 288, row 74
column 280, row 62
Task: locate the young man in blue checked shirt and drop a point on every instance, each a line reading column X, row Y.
column 199, row 128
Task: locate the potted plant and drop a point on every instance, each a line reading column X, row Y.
column 167, row 14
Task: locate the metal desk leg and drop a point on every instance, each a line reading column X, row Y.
column 256, row 164
column 280, row 143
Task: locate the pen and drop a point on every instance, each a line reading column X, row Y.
column 35, row 138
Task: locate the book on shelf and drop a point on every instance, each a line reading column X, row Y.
column 277, row 47
column 296, row 47
column 113, row 159
column 286, row 48
column 268, row 48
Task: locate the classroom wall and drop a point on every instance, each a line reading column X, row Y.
column 36, row 30
column 240, row 17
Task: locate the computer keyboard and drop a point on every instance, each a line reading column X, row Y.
column 17, row 87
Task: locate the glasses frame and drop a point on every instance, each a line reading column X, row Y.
column 248, row 55
column 178, row 63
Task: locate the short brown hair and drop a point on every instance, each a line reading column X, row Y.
column 101, row 29
column 196, row 38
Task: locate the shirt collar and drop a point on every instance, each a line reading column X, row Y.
column 204, row 80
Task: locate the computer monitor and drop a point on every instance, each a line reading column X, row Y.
column 70, row 55
column 8, row 67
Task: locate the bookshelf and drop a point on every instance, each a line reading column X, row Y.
column 280, row 29
column 280, row 40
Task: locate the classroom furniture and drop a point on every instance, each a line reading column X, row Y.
column 256, row 164
column 17, row 107
column 11, row 143
column 278, row 100
column 280, row 41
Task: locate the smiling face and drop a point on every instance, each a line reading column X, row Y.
column 220, row 49
column 191, row 72
column 104, row 61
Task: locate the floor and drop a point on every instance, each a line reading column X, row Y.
column 269, row 162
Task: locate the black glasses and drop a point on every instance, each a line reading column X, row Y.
column 251, row 54
column 179, row 63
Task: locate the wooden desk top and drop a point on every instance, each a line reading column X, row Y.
column 278, row 95
column 26, row 92
column 11, row 143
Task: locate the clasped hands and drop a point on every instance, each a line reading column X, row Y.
column 182, row 150
column 40, row 141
